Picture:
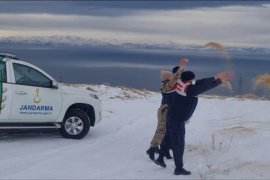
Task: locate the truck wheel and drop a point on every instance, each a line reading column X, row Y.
column 76, row 125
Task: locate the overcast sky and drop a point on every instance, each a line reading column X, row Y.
column 241, row 24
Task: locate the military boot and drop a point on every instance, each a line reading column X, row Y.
column 160, row 161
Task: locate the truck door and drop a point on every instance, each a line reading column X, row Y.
column 34, row 98
column 5, row 93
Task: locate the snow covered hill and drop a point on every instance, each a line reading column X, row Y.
column 226, row 138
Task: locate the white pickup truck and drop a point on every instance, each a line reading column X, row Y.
column 30, row 98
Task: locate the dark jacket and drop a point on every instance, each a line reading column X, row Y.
column 182, row 107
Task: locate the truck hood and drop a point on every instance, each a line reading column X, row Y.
column 77, row 92
column 73, row 90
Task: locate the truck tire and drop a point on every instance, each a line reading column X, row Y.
column 76, row 125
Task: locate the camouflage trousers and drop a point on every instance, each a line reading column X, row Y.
column 161, row 126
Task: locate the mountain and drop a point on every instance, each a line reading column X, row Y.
column 75, row 41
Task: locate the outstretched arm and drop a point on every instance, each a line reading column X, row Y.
column 206, row 84
column 173, row 80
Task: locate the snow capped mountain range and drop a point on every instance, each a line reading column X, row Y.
column 75, row 41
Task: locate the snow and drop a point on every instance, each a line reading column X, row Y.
column 226, row 138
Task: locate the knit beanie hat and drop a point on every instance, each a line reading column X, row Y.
column 187, row 75
column 175, row 69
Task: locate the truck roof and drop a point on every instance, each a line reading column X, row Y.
column 8, row 55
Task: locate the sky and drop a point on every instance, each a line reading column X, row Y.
column 232, row 23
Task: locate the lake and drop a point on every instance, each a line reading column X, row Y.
column 140, row 68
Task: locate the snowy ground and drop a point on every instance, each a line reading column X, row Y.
column 226, row 138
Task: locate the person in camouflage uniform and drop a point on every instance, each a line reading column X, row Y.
column 168, row 83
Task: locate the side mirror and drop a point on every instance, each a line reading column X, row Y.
column 54, row 85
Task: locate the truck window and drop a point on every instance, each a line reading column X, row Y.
column 26, row 75
column 3, row 70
